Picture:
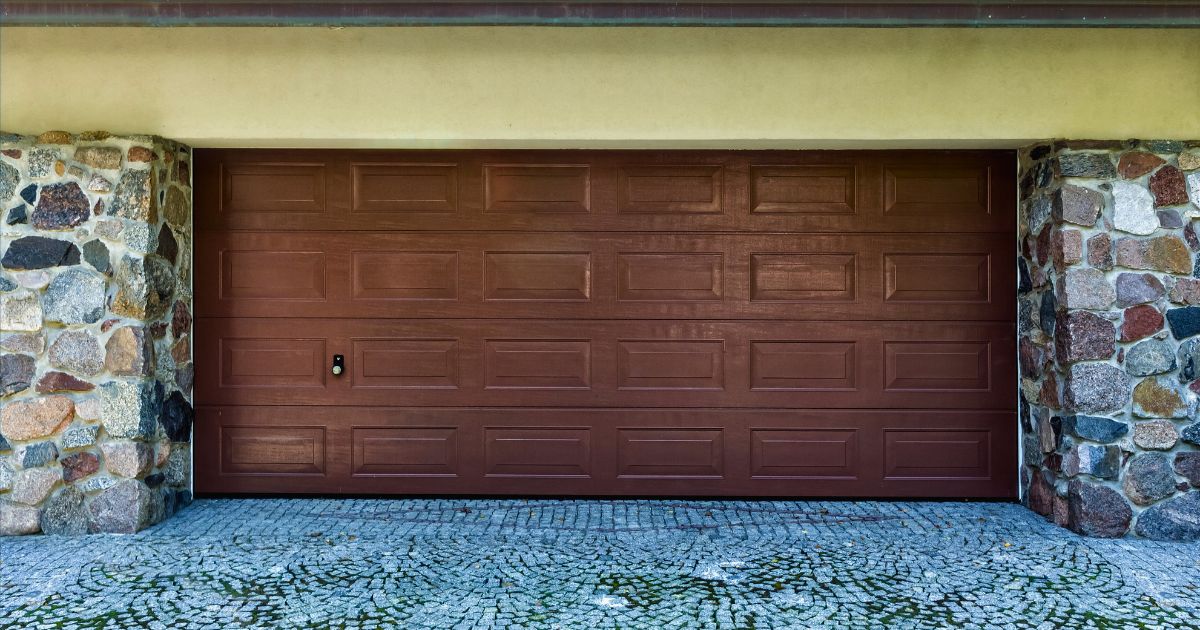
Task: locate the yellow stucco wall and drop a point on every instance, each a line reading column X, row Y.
column 434, row 87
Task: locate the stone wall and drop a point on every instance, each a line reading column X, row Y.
column 1109, row 326
column 95, row 318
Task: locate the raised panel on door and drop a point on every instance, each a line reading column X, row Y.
column 675, row 364
column 404, row 363
column 948, row 192
column 670, row 276
column 804, row 189
column 537, row 363
column 606, row 276
column 804, row 365
column 270, row 361
column 808, row 453
column 282, row 274
column 537, row 188
column 403, row 188
column 590, row 451
column 410, row 451
column 537, row 276
column 537, row 451
column 954, row 453
column 390, row 275
column 273, row 187
column 670, row 189
column 614, row 363
column 259, row 450
column 670, row 452
column 804, row 277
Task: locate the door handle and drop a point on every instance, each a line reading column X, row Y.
column 339, row 365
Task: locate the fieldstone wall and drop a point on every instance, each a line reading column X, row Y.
column 1109, row 327
column 95, row 325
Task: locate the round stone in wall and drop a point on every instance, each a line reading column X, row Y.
column 101, row 157
column 1168, row 187
column 1078, row 205
column 16, row 520
column 124, row 508
column 36, row 418
column 134, row 198
column 1158, row 398
column 64, row 514
column 77, row 351
column 1086, row 165
column 1094, row 510
column 1138, row 288
column 1149, row 478
column 20, row 311
column 1191, row 434
column 9, row 178
column 95, row 252
column 131, row 410
column 1177, row 519
column 60, row 207
column 1188, row 465
column 1134, row 209
column 79, row 465
column 1156, row 435
column 1095, row 428
column 1135, row 164
column 1152, row 356
column 1096, row 387
column 16, row 373
column 75, row 296
column 1085, row 289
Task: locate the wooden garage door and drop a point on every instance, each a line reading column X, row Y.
column 606, row 323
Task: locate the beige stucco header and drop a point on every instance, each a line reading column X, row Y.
column 567, row 87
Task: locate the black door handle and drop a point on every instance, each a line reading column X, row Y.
column 339, row 365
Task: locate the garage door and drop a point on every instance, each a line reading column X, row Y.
column 606, row 323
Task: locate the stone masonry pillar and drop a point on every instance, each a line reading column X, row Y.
column 95, row 332
column 1109, row 336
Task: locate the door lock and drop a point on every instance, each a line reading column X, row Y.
column 339, row 365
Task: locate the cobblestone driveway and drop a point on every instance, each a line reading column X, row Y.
column 265, row 563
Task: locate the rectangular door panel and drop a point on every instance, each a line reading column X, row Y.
column 404, row 451
column 803, row 189
column 404, row 188
column 538, row 363
column 537, row 188
column 279, row 275
column 670, row 453
column 263, row 188
column 804, row 453
column 270, row 362
column 377, row 276
column 281, row 450
column 537, row 451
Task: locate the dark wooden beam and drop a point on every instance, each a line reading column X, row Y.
column 878, row 13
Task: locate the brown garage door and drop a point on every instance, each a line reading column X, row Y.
column 615, row 323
